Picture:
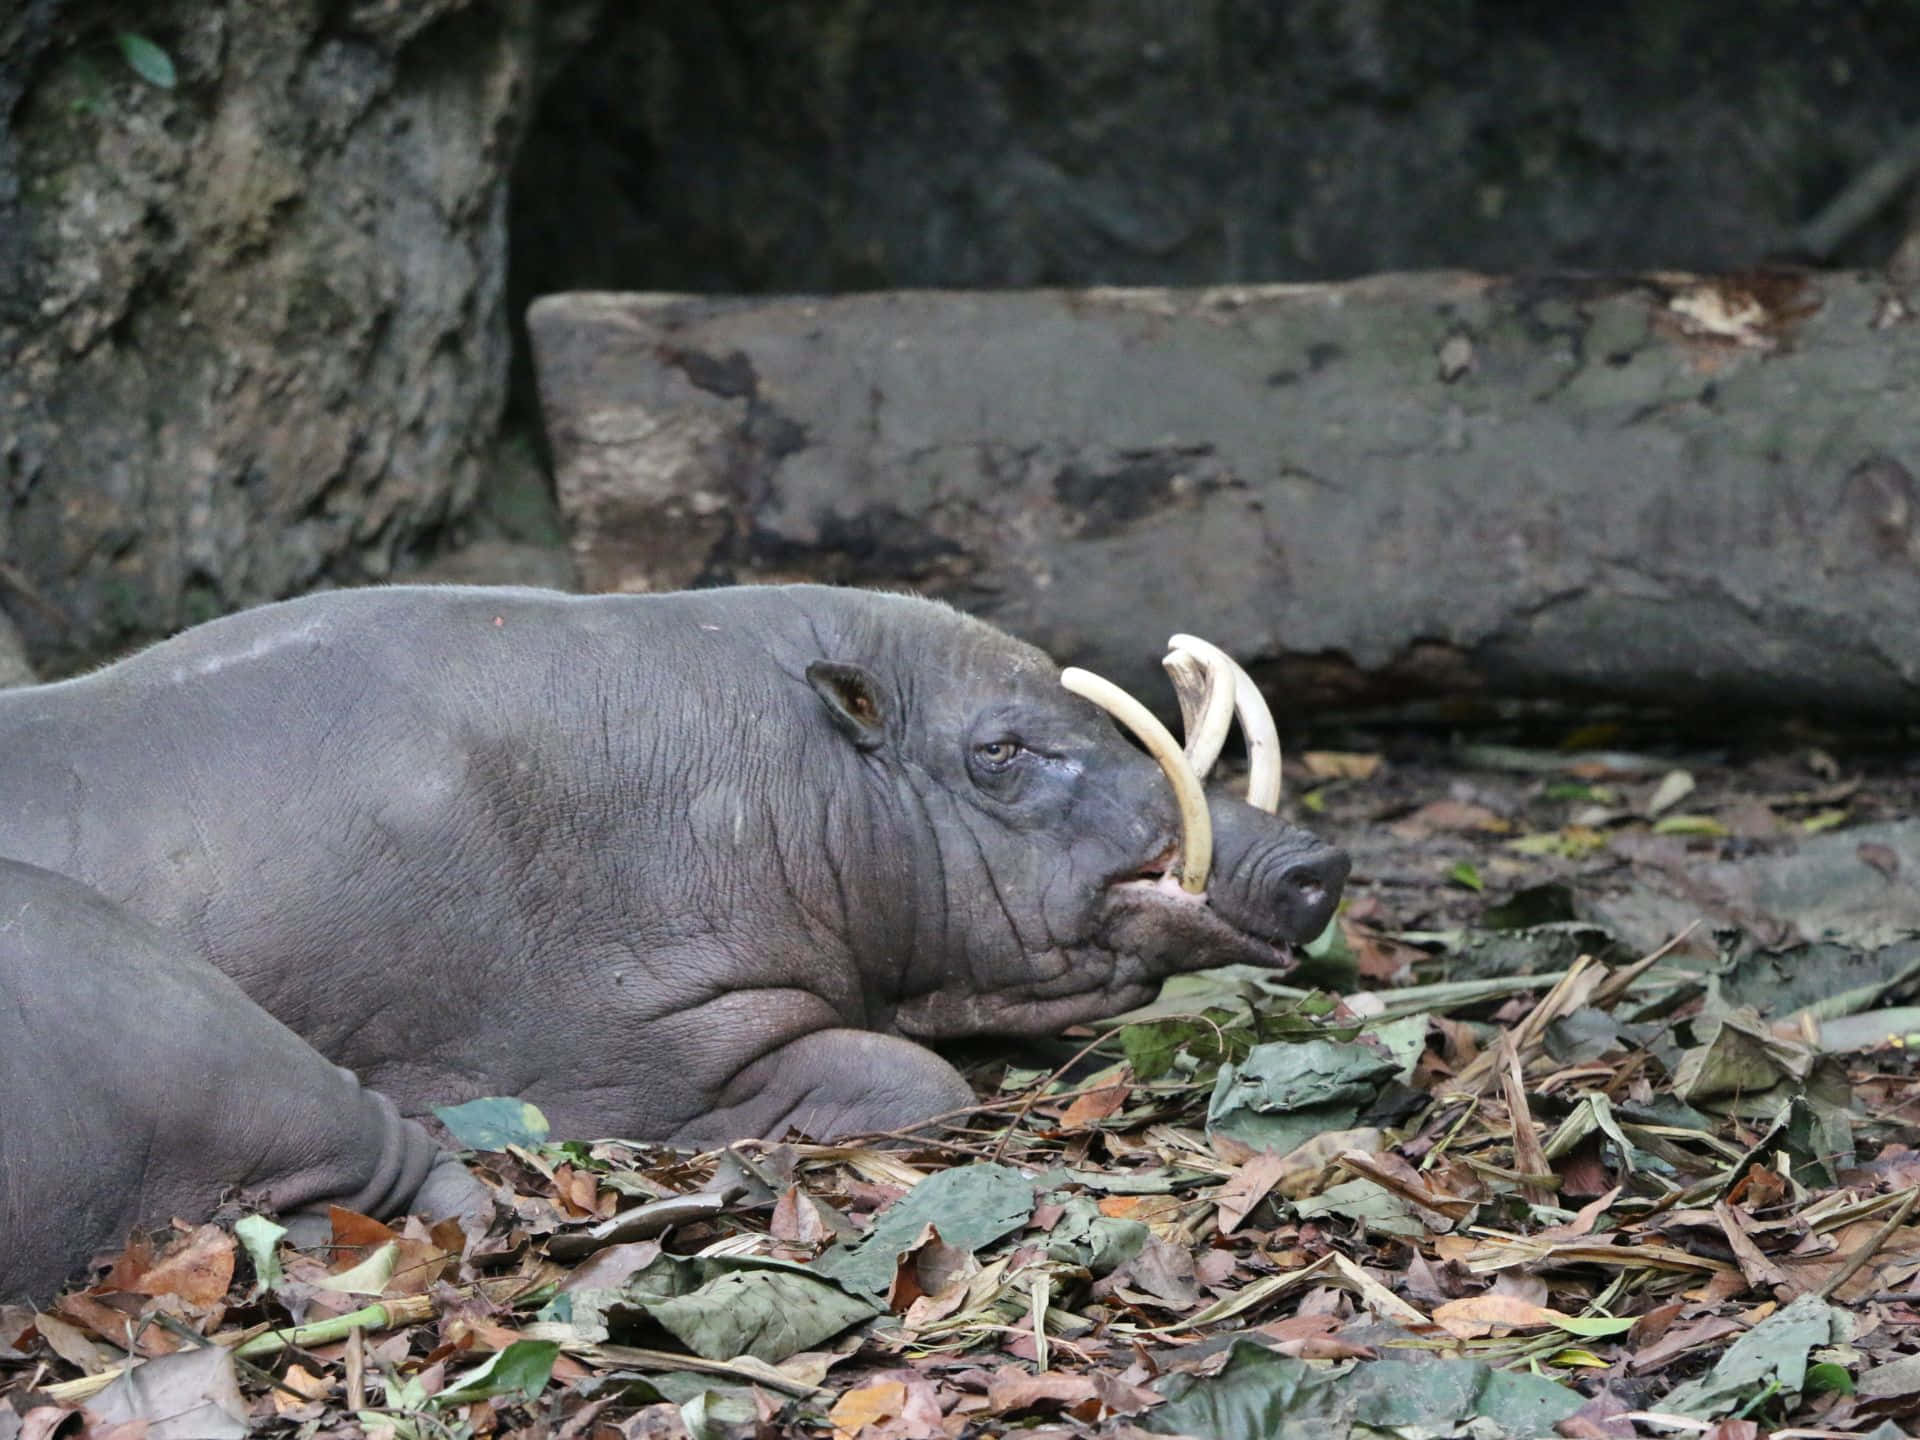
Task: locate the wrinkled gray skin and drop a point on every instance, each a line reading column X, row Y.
column 694, row 866
column 140, row 1084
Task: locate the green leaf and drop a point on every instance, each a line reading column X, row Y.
column 260, row 1237
column 1372, row 1205
column 768, row 1314
column 1285, row 1094
column 1689, row 825
column 1261, row 1394
column 1097, row 1243
column 1467, row 874
column 1575, row 790
column 1772, row 1354
column 1594, row 1326
column 1154, row 1047
column 1827, row 1378
column 149, row 61
column 972, row 1206
column 494, row 1123
column 521, row 1370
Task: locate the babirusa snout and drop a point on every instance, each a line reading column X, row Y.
column 1196, row 825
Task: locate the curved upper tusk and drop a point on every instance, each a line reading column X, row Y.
column 1196, row 825
column 1256, row 723
column 1205, row 692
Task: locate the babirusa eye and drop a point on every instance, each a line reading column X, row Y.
column 997, row 752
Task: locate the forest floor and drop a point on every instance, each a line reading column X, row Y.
column 1597, row 1115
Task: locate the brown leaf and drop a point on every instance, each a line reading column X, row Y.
column 1583, row 1170
column 1881, row 857
column 607, row 1269
column 927, row 1267
column 116, row 1323
column 1095, row 1105
column 129, row 1265
column 1601, row 1418
column 798, row 1223
column 307, row 1388
column 1310, row 1335
column 1012, row 1390
column 1654, row 1324
column 1214, row 1268
column 660, row 1421
column 1528, row 1157
column 1449, row 816
column 198, row 1268
column 900, row 1405
column 1482, row 1315
column 1161, row 1274
column 1679, row 1340
column 1306, row 1169
column 1340, row 765
column 1754, row 1264
column 1246, row 1188
column 1438, row 1212
column 577, row 1190
column 70, row 1343
column 355, row 1236
column 1761, row 1188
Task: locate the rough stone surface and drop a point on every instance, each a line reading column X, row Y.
column 252, row 339
column 737, row 146
column 1692, row 491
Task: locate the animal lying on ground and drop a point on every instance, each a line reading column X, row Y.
column 683, row 867
column 140, row 1083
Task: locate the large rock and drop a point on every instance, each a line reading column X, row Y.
column 729, row 146
column 1670, row 488
column 251, row 331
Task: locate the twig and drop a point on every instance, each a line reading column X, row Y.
column 1036, row 1091
column 634, row 1357
column 387, row 1315
column 356, row 1370
column 1866, row 1252
column 1620, row 981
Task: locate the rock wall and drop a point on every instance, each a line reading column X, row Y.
column 252, row 337
column 735, row 146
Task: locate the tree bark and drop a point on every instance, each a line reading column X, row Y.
column 1666, row 488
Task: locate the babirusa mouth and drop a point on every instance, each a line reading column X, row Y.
column 1224, row 677
column 1196, row 825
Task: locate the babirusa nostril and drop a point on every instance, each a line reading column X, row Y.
column 1314, row 882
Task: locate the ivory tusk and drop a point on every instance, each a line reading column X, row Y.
column 1206, row 706
column 1256, row 723
column 1196, row 825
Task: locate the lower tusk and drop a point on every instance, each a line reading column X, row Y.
column 1196, row 825
column 1206, row 706
column 1256, row 723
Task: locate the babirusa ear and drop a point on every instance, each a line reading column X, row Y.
column 853, row 699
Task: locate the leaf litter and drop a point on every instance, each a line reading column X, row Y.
column 1595, row 1114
